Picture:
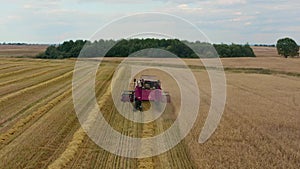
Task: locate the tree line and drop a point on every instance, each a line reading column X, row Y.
column 125, row 47
column 264, row 45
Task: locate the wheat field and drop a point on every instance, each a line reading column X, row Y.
column 260, row 127
column 21, row 50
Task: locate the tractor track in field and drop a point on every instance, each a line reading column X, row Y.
column 180, row 151
column 51, row 103
column 147, row 131
column 27, row 77
column 43, row 157
column 8, row 67
column 13, row 69
column 23, row 61
column 28, row 107
column 12, row 113
column 165, row 160
column 36, row 86
column 100, row 158
column 4, row 100
column 98, row 154
column 28, row 82
column 33, row 105
column 57, row 124
column 19, row 71
column 104, row 159
column 52, row 147
column 79, row 135
column 20, row 126
column 85, row 143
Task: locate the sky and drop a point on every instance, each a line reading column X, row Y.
column 222, row 21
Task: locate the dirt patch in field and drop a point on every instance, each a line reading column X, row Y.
column 265, row 51
column 21, row 50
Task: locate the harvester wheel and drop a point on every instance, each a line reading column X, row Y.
column 138, row 105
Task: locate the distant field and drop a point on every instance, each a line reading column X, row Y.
column 265, row 51
column 21, row 50
column 271, row 63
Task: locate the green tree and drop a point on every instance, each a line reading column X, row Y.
column 52, row 52
column 287, row 47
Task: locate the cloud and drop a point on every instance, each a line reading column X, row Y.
column 213, row 2
column 110, row 1
column 187, row 8
column 248, row 23
column 229, row 2
column 40, row 5
column 222, row 20
column 238, row 13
